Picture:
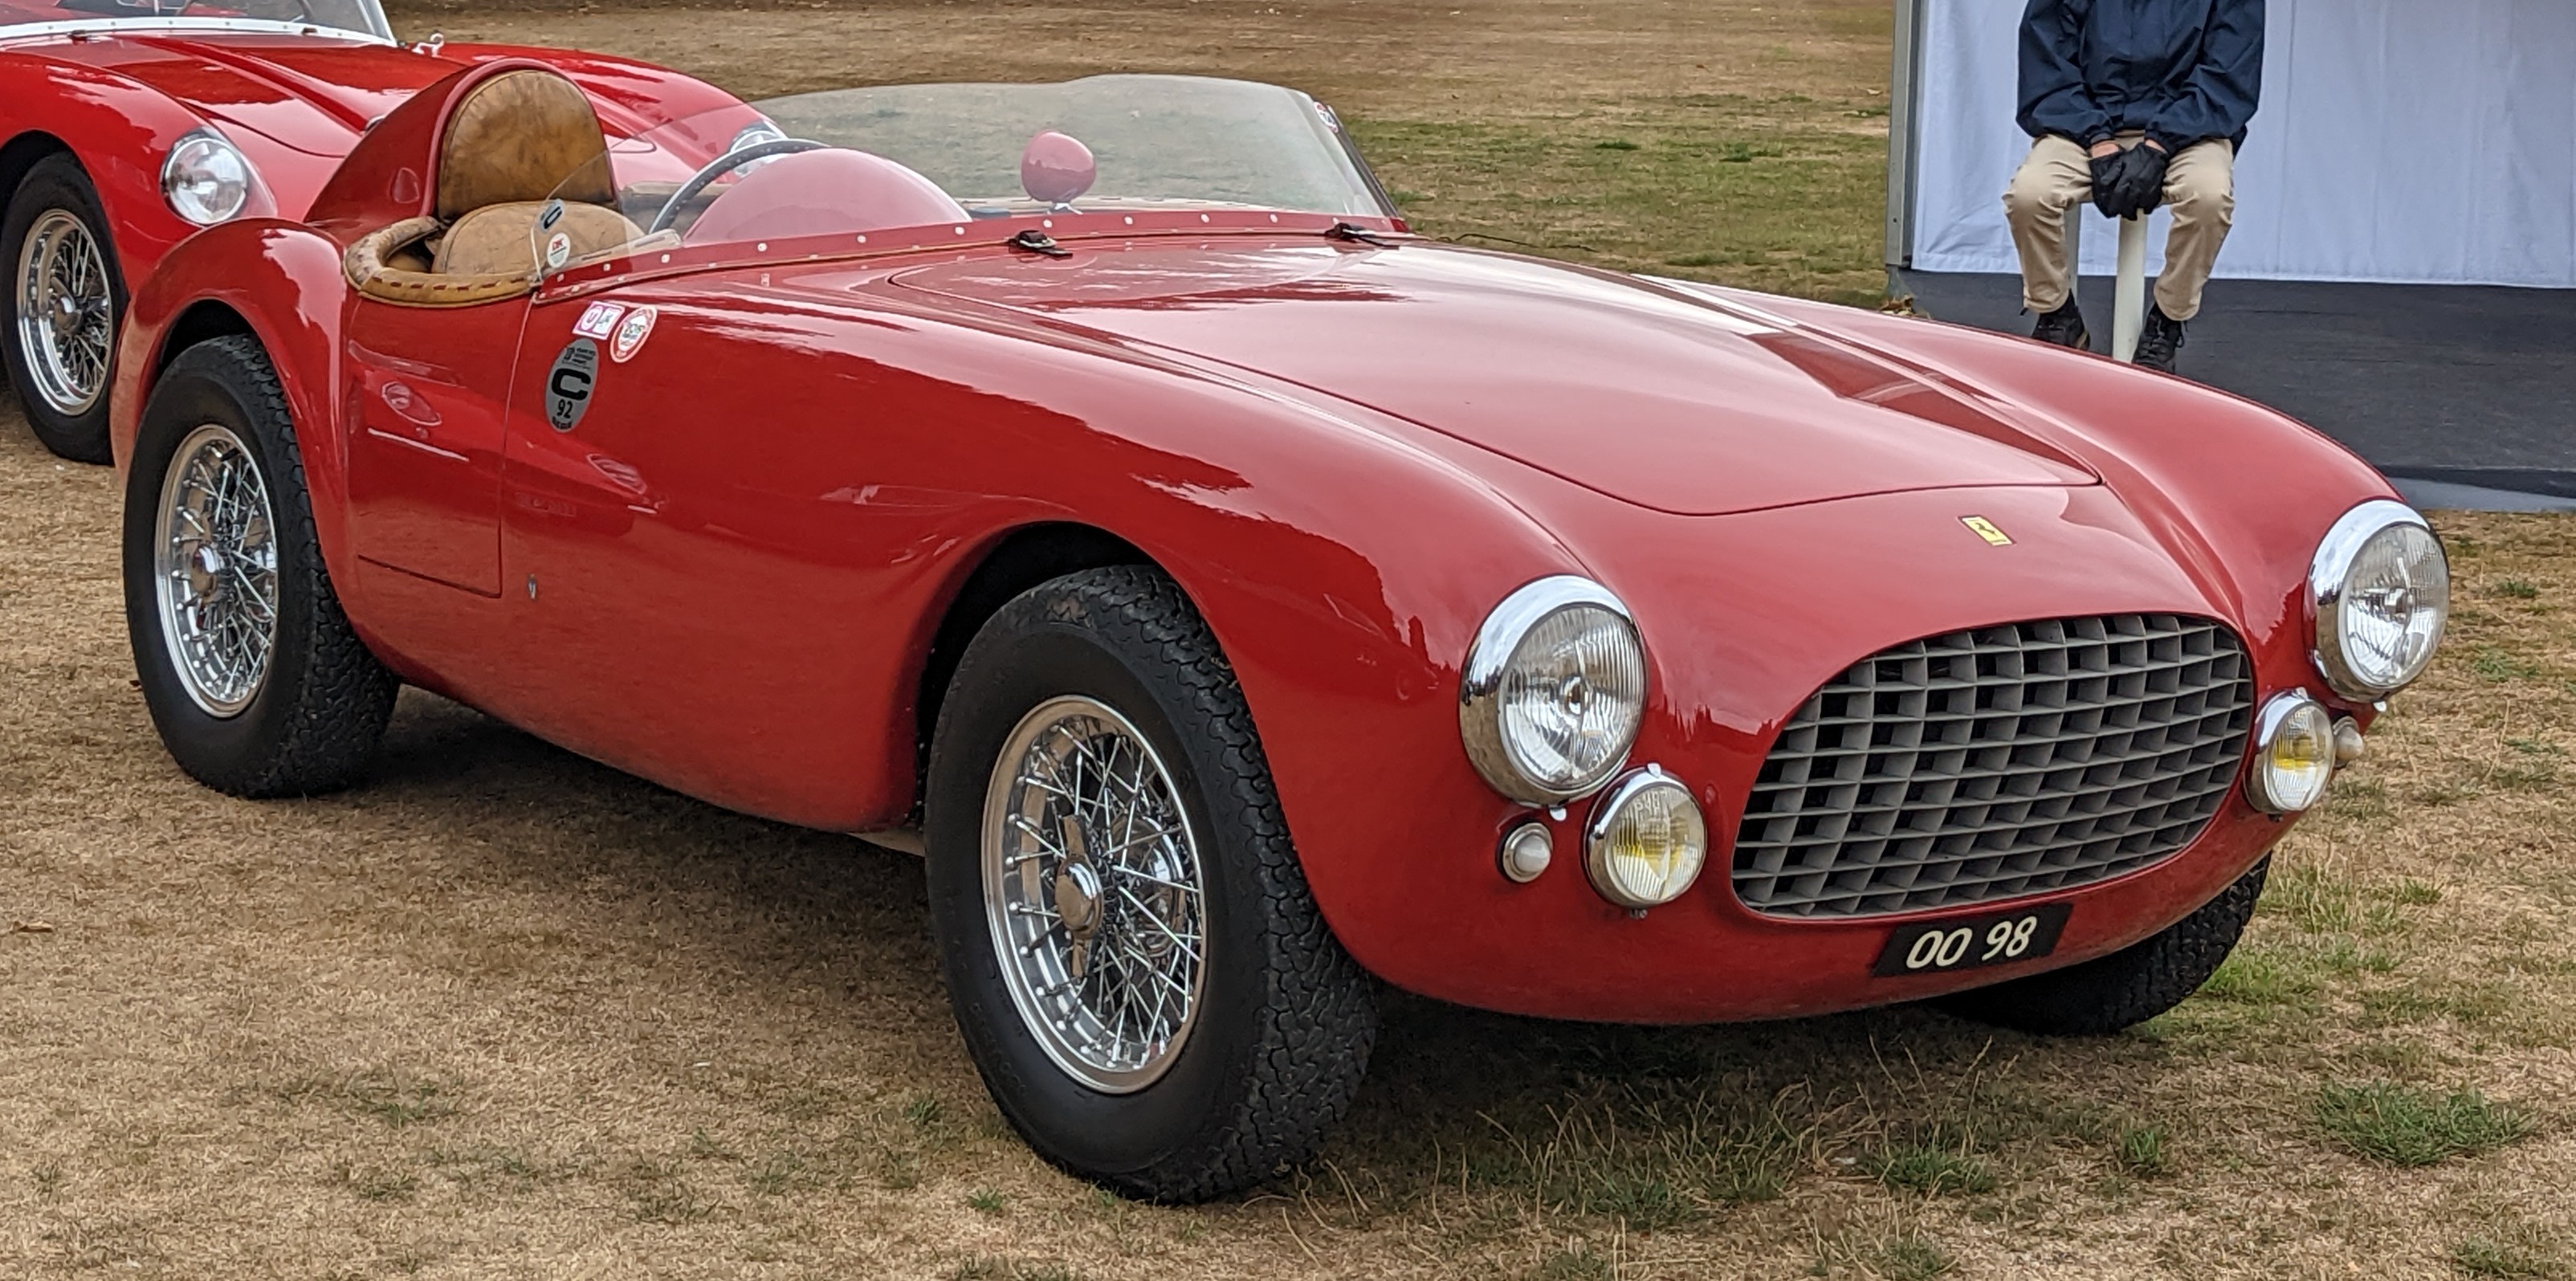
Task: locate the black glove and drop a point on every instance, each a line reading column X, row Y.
column 2141, row 184
column 2107, row 171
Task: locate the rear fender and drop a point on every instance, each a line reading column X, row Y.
column 283, row 282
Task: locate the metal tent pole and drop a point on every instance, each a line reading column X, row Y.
column 1903, row 82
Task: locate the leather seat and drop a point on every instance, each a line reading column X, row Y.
column 512, row 146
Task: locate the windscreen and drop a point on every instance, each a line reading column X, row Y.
column 361, row 17
column 1157, row 140
column 855, row 161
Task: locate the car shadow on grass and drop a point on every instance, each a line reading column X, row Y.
column 1654, row 1126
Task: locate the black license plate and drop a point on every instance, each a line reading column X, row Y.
column 1970, row 942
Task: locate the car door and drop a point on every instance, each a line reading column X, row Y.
column 427, row 391
column 694, row 580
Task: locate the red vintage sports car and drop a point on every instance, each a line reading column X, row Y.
column 1239, row 596
column 126, row 125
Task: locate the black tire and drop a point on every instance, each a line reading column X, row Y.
column 2129, row 986
column 312, row 724
column 57, row 183
column 1286, row 1019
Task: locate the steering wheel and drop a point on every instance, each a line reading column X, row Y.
column 719, row 167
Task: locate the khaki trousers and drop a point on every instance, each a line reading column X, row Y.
column 2200, row 188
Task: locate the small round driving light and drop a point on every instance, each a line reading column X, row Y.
column 1553, row 691
column 1527, row 850
column 206, row 179
column 2381, row 590
column 2294, row 755
column 1647, row 841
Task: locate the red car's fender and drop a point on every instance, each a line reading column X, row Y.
column 280, row 282
column 120, row 130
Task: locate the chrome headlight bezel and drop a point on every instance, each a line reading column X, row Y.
column 1489, row 661
column 2329, row 572
column 1611, row 810
column 198, row 153
column 2264, row 789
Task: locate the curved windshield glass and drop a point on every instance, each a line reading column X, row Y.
column 860, row 160
column 360, row 17
column 1184, row 141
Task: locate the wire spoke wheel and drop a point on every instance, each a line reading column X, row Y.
column 1095, row 893
column 66, row 313
column 215, row 571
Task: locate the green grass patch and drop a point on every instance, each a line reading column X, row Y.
column 1913, row 1258
column 1931, row 1171
column 2405, row 1126
column 2514, row 1252
column 1702, row 184
column 993, row 1268
column 2494, row 665
column 2142, row 1151
column 2514, row 589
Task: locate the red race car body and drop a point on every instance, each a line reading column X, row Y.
column 113, row 89
column 1945, row 636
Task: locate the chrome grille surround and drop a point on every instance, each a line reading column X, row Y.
column 2000, row 761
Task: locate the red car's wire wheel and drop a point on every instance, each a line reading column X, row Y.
column 215, row 571
column 65, row 313
column 1094, row 890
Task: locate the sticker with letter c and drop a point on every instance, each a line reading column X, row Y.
column 569, row 382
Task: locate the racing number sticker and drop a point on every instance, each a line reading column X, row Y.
column 569, row 382
column 631, row 335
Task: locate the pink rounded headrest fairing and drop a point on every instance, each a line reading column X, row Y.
column 809, row 193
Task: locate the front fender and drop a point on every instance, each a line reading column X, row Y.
column 284, row 283
column 119, row 129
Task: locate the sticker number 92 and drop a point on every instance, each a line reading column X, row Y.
column 1965, row 943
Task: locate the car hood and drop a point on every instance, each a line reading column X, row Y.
column 1658, row 396
column 313, row 94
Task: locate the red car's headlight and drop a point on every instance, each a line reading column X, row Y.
column 1553, row 692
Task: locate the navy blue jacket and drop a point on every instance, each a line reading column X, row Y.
column 2184, row 71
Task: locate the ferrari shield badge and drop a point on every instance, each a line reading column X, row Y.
column 1987, row 530
column 569, row 382
column 631, row 335
column 598, row 320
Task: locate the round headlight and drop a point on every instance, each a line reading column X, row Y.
column 2382, row 593
column 1646, row 843
column 206, row 179
column 2294, row 755
column 1553, row 692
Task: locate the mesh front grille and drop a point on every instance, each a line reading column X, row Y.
column 1986, row 764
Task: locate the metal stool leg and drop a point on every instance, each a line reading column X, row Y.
column 2129, row 295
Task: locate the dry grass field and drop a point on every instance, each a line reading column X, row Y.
column 502, row 1013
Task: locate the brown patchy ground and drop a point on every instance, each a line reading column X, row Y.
column 503, row 1013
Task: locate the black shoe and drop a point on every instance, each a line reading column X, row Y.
column 2064, row 327
column 2159, row 341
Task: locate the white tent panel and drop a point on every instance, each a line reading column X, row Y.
column 2398, row 141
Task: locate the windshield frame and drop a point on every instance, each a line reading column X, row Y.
column 182, row 24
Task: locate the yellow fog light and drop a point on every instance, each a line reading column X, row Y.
column 1647, row 841
column 2294, row 755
